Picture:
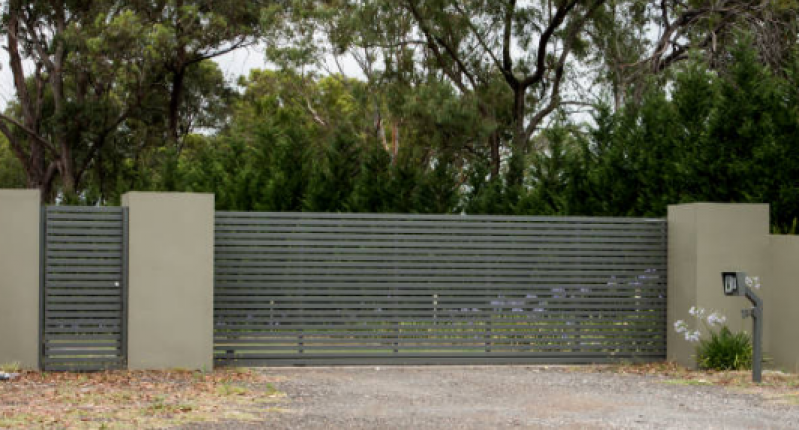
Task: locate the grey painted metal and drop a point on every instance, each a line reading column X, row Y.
column 42, row 247
column 756, row 312
column 309, row 288
column 84, row 293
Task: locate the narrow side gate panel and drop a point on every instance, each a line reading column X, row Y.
column 299, row 288
column 84, row 288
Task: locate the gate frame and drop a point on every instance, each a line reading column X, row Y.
column 124, row 267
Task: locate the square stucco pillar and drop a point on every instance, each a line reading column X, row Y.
column 706, row 239
column 170, row 280
column 19, row 277
column 780, row 294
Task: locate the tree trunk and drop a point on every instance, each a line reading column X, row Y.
column 175, row 99
column 493, row 140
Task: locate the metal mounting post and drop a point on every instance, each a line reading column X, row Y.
column 734, row 284
column 757, row 338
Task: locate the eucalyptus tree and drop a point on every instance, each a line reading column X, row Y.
column 79, row 70
column 88, row 75
column 187, row 32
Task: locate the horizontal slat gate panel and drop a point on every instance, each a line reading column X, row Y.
column 84, row 288
column 310, row 288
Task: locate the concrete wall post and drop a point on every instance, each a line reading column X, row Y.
column 171, row 288
column 20, row 226
column 706, row 239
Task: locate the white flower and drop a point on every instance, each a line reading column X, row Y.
column 680, row 326
column 697, row 312
column 753, row 282
column 715, row 319
column 692, row 336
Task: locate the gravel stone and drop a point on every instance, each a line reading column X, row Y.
column 505, row 397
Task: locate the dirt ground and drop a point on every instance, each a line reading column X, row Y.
column 490, row 397
column 653, row 396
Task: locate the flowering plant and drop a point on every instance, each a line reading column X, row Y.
column 723, row 350
column 712, row 320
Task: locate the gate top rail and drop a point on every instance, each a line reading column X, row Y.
column 438, row 217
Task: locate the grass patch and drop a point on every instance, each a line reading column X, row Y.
column 121, row 399
column 12, row 367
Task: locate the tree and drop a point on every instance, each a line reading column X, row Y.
column 64, row 109
column 713, row 27
column 98, row 90
column 189, row 32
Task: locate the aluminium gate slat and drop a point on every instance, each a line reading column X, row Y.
column 429, row 286
column 466, row 313
column 373, row 360
column 444, row 326
column 223, row 252
column 435, row 245
column 440, row 307
column 379, row 231
column 471, row 221
column 460, row 349
column 453, row 218
column 255, row 328
column 485, row 340
column 448, row 298
column 282, row 258
column 444, row 270
column 235, row 265
column 74, row 337
column 105, row 346
column 440, row 240
column 445, row 280
column 444, row 355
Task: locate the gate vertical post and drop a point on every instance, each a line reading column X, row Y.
column 124, row 286
column 20, row 264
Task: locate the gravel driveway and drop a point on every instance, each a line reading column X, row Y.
column 489, row 397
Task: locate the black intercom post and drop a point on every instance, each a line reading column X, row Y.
column 734, row 284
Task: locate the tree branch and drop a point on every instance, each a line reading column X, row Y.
column 15, row 146
column 434, row 42
column 554, row 99
column 557, row 20
column 30, row 132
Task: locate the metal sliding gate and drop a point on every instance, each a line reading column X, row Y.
column 300, row 288
column 84, row 288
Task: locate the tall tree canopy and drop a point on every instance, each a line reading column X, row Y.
column 613, row 107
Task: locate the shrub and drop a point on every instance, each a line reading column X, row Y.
column 725, row 351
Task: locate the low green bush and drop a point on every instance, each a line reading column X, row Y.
column 725, row 350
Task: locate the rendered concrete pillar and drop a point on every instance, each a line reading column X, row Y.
column 171, row 288
column 780, row 293
column 19, row 277
column 706, row 239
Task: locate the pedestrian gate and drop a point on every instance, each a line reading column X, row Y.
column 84, row 288
column 301, row 288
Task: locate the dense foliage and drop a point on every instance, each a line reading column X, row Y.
column 461, row 106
